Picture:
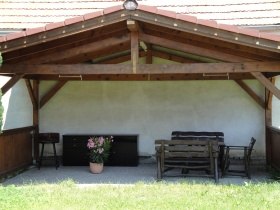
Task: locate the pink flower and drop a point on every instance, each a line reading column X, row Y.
column 101, row 140
column 90, row 144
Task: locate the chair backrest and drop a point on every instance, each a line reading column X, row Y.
column 251, row 145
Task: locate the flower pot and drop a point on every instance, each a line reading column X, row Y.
column 96, row 168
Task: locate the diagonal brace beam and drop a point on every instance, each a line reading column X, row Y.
column 52, row 92
column 267, row 83
column 11, row 83
column 31, row 93
column 251, row 93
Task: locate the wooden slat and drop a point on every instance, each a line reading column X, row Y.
column 186, row 154
column 191, row 49
column 31, row 93
column 185, row 148
column 15, row 151
column 84, row 69
column 268, row 84
column 251, row 93
column 52, row 92
column 11, row 83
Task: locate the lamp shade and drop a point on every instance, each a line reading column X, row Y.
column 130, row 4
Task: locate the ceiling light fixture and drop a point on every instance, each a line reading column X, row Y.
column 130, row 4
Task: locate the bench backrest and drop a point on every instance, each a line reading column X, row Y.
column 187, row 148
column 193, row 135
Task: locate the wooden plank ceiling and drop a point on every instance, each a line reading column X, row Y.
column 96, row 48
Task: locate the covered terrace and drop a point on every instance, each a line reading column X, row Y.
column 145, row 45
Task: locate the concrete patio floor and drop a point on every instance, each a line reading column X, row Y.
column 118, row 175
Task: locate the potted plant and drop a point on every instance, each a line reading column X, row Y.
column 99, row 149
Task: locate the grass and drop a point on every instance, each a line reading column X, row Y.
column 68, row 195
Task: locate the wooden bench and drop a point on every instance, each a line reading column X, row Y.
column 189, row 155
column 201, row 136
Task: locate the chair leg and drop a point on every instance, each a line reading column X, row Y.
column 226, row 163
column 56, row 160
column 41, row 156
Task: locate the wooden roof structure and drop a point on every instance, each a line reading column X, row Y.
column 19, row 15
column 97, row 46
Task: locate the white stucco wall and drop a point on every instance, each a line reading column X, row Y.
column 17, row 105
column 153, row 109
column 276, row 106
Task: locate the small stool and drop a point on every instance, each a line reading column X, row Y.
column 48, row 138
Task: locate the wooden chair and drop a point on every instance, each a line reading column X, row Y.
column 189, row 155
column 247, row 150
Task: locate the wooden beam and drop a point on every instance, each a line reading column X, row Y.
column 190, row 68
column 52, row 92
column 267, row 83
column 251, row 93
column 191, row 49
column 134, row 51
column 120, row 59
column 60, row 56
column 132, row 25
column 11, row 83
column 144, row 77
column 171, row 57
column 31, row 93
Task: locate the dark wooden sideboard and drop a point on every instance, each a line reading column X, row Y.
column 124, row 150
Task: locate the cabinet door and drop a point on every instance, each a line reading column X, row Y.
column 123, row 152
column 75, row 152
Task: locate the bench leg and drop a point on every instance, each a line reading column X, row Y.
column 159, row 170
column 216, row 173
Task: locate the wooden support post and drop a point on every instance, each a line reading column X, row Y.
column 134, row 51
column 134, row 37
column 268, row 122
column 36, row 119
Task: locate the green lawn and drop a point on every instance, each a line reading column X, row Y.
column 162, row 195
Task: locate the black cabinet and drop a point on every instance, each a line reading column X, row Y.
column 124, row 150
